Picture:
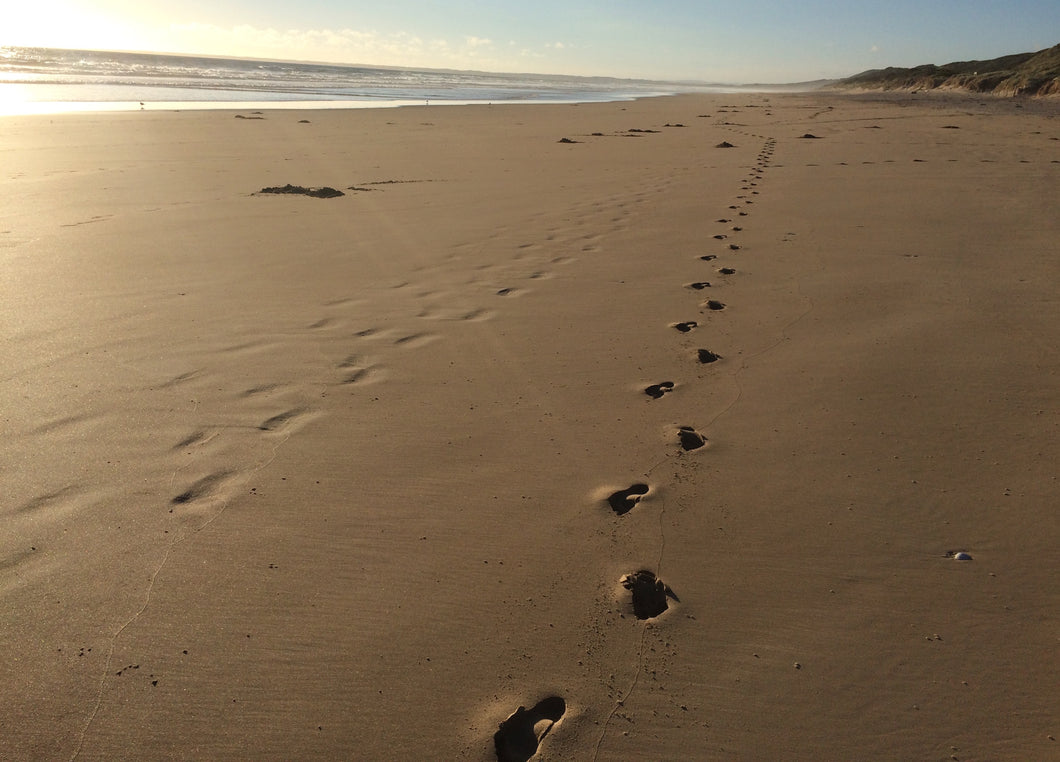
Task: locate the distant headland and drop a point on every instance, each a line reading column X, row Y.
column 1033, row 74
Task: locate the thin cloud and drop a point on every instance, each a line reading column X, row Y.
column 338, row 45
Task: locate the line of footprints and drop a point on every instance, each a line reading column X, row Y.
column 520, row 735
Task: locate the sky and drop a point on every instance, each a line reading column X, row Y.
column 732, row 41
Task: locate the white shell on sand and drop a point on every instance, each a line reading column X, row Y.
column 962, row 556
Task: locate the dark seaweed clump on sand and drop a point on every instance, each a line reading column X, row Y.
column 324, row 192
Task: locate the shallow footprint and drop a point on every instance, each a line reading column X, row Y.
column 622, row 502
column 517, row 738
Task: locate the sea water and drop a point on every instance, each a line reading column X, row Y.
column 34, row 80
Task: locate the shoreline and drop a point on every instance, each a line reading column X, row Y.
column 361, row 476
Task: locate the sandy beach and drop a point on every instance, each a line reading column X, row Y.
column 287, row 477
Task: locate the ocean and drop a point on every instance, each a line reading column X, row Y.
column 37, row 80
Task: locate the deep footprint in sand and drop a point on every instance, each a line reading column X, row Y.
column 699, row 285
column 686, row 326
column 649, row 593
column 715, row 305
column 705, row 356
column 690, row 439
column 519, row 736
column 622, row 502
column 655, row 391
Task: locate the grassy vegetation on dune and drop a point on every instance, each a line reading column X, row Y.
column 1018, row 74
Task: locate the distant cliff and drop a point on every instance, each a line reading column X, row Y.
column 1019, row 74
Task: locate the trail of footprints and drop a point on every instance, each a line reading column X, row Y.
column 649, row 595
column 519, row 736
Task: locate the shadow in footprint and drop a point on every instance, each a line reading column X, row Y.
column 655, row 391
column 518, row 737
column 204, row 487
column 690, row 439
column 706, row 356
column 699, row 285
column 686, row 327
column 279, row 421
column 622, row 502
column 649, row 593
column 714, row 305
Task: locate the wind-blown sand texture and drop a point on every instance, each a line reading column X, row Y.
column 358, row 477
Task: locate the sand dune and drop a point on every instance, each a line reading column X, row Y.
column 629, row 447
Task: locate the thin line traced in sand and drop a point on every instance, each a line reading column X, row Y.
column 147, row 599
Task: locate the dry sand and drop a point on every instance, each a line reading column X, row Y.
column 298, row 478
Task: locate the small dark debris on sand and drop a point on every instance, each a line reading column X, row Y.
column 240, row 116
column 303, row 121
column 324, row 192
column 810, row 136
column 725, row 144
column 567, row 140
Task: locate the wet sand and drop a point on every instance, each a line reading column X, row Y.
column 360, row 476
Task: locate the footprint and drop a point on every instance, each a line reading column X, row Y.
column 705, row 356
column 260, row 389
column 687, row 326
column 277, row 422
column 715, row 305
column 727, row 270
column 699, row 285
column 477, row 314
column 178, row 380
column 655, row 391
column 709, row 257
column 622, row 502
column 204, row 487
column 518, row 737
column 649, row 593
column 415, row 340
column 690, row 439
column 197, row 437
column 364, row 375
